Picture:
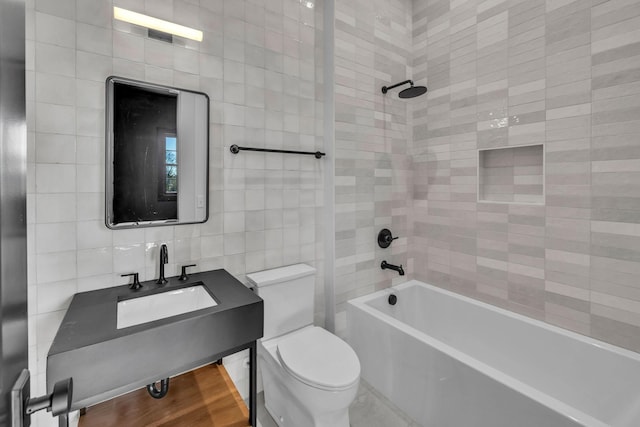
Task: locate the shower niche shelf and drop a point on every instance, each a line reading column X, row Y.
column 511, row 174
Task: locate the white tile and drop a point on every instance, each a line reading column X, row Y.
column 90, row 122
column 128, row 258
column 93, row 283
column 158, row 75
column 186, row 251
column 234, row 201
column 159, row 234
column 90, row 150
column 52, row 118
column 128, row 237
column 55, row 237
column 234, row 93
column 90, row 94
column 254, row 200
column 56, row 266
column 90, row 178
column 55, row 296
column 55, row 30
column 233, row 222
column 274, row 239
column 91, row 38
column 90, row 206
column 211, row 66
column 186, row 60
column 98, row 13
column 55, row 178
column 158, row 53
column 55, row 60
column 47, row 325
column 234, row 243
column 59, row 207
column 54, row 89
column 93, row 262
column 93, row 234
column 255, row 241
column 63, row 8
column 91, row 66
column 130, row 69
column 55, row 148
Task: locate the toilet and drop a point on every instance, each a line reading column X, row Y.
column 310, row 376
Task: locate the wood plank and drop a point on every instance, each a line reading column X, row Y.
column 205, row 397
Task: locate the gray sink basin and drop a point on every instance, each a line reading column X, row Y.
column 135, row 311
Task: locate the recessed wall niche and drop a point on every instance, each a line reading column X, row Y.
column 511, row 174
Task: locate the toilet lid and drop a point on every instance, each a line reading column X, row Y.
column 320, row 359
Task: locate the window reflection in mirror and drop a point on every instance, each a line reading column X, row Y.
column 157, row 152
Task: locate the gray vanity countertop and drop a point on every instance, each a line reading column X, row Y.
column 105, row 361
column 92, row 316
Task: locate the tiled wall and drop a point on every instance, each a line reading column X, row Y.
column 259, row 63
column 372, row 134
column 512, row 72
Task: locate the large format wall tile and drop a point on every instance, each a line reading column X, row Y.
column 373, row 175
column 513, row 72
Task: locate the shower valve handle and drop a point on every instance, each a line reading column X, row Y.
column 385, row 238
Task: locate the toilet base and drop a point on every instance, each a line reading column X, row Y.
column 286, row 398
column 286, row 410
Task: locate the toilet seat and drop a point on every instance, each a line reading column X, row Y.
column 319, row 359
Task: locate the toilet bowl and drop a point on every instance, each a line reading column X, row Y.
column 310, row 376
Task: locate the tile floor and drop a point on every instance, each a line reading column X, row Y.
column 369, row 409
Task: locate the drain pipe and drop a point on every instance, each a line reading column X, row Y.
column 159, row 394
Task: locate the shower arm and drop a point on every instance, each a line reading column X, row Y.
column 386, row 88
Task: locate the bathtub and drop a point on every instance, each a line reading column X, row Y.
column 450, row 361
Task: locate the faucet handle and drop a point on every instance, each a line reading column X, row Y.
column 136, row 281
column 184, row 276
column 385, row 238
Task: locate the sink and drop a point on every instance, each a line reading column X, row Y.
column 135, row 311
column 115, row 340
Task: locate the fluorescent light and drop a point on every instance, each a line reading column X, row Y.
column 156, row 24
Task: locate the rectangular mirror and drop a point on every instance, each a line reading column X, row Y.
column 157, row 155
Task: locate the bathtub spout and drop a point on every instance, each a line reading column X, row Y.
column 397, row 268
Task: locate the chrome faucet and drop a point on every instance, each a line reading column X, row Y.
column 164, row 258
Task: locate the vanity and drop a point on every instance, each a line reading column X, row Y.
column 110, row 346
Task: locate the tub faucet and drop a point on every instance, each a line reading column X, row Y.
column 385, row 265
column 164, row 258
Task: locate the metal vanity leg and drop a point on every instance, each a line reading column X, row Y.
column 253, row 372
column 63, row 420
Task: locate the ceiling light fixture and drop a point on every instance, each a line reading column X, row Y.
column 156, row 24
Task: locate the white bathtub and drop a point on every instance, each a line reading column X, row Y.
column 450, row 361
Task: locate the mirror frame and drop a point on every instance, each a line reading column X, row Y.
column 109, row 153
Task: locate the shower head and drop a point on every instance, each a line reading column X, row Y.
column 410, row 92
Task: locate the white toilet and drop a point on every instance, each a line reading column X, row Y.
column 310, row 376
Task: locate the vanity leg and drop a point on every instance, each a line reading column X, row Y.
column 253, row 372
column 63, row 420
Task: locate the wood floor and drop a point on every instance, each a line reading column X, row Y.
column 205, row 397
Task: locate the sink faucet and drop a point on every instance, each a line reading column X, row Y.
column 164, row 258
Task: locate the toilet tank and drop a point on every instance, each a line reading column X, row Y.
column 288, row 294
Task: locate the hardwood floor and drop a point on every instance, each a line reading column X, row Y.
column 205, row 397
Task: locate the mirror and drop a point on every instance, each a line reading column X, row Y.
column 157, row 155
